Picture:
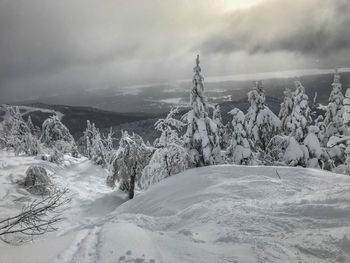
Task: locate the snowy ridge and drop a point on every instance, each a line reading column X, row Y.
column 221, row 213
column 27, row 109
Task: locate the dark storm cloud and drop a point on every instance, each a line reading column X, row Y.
column 309, row 27
column 42, row 36
column 49, row 47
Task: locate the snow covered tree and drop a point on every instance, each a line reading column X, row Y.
column 131, row 158
column 295, row 153
column 96, row 147
column 221, row 128
column 319, row 122
column 261, row 123
column 17, row 134
column 313, row 145
column 239, row 150
column 170, row 157
column 202, row 136
column 286, row 110
column 334, row 114
column 55, row 133
column 109, row 149
column 33, row 129
column 300, row 118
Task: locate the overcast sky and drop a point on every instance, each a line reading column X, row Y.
column 50, row 45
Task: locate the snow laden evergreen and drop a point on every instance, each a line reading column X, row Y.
column 217, row 118
column 202, row 136
column 95, row 147
column 170, row 157
column 334, row 114
column 56, row 135
column 313, row 145
column 239, row 150
column 285, row 113
column 131, row 158
column 301, row 117
column 322, row 136
column 261, row 123
column 346, row 111
column 296, row 154
column 18, row 135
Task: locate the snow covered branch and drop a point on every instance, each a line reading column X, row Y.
column 38, row 217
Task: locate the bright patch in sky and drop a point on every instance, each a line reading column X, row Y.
column 236, row 4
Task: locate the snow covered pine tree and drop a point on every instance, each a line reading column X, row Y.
column 261, row 123
column 201, row 137
column 334, row 114
column 300, row 117
column 239, row 151
column 170, row 156
column 131, row 158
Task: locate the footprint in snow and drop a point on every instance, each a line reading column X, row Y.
column 129, row 259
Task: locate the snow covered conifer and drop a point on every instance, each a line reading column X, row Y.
column 131, row 158
column 261, row 123
column 55, row 133
column 15, row 130
column 286, row 110
column 334, row 114
column 239, row 151
column 301, row 113
column 346, row 112
column 170, row 157
column 221, row 128
column 295, row 153
column 202, row 136
column 313, row 145
column 33, row 129
column 319, row 122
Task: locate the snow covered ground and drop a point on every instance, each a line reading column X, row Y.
column 211, row 214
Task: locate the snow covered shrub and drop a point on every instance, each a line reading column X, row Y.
column 239, row 150
column 202, row 136
column 170, row 157
column 37, row 181
column 55, row 156
column 296, row 154
column 55, row 133
column 31, row 145
column 276, row 150
column 131, row 158
column 261, row 123
column 313, row 145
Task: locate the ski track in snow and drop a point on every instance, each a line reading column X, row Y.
column 212, row 214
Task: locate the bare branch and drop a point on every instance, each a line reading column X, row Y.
column 37, row 217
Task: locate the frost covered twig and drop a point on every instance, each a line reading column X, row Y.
column 38, row 217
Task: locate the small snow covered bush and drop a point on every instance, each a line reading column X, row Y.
column 37, row 181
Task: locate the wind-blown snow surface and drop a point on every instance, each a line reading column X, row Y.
column 211, row 214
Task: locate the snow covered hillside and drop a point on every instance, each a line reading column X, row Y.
column 211, row 214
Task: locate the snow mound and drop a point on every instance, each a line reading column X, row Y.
column 212, row 214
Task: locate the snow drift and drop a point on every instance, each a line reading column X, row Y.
column 211, row 214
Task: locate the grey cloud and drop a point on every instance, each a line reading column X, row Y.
column 312, row 27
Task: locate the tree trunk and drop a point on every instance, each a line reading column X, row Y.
column 132, row 183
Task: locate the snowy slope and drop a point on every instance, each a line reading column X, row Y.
column 211, row 214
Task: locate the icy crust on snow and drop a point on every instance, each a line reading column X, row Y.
column 211, row 214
